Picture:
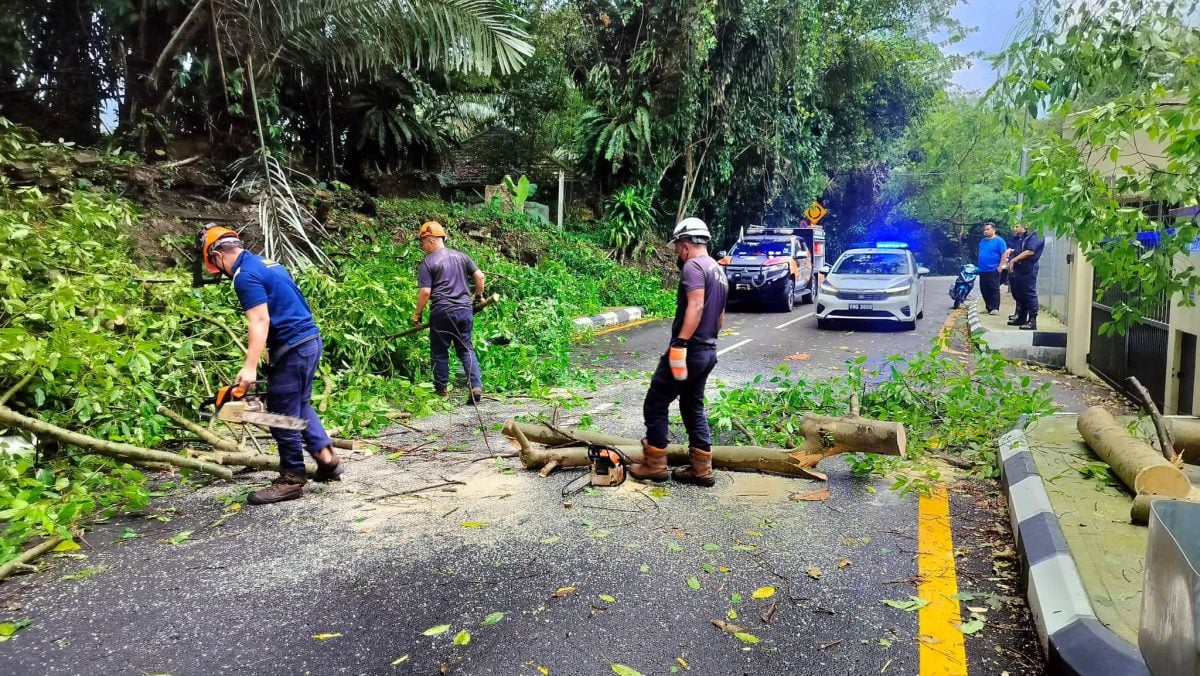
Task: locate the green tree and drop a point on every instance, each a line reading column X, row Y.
column 1118, row 86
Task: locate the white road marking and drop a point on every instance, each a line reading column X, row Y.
column 735, row 346
column 797, row 319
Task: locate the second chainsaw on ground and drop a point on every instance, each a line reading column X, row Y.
column 244, row 406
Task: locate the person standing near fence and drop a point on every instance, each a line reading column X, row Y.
column 1022, row 280
column 991, row 251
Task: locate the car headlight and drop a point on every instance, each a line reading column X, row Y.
column 899, row 291
column 826, row 287
column 776, row 267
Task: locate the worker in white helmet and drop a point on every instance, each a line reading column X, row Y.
column 683, row 371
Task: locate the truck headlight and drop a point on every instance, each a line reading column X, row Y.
column 776, row 267
column 899, row 291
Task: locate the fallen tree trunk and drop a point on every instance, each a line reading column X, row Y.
column 1139, row 466
column 1139, row 513
column 824, row 436
column 110, row 448
column 252, row 460
column 208, row 436
column 28, row 555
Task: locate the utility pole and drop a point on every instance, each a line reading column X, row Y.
column 562, row 182
column 1024, row 167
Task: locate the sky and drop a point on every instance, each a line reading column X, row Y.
column 994, row 21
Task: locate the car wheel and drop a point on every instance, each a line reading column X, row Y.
column 823, row 323
column 921, row 314
column 788, row 300
column 909, row 326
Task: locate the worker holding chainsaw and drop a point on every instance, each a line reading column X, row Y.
column 683, row 371
column 442, row 280
column 281, row 325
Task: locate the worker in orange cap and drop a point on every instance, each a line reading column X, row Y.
column 442, row 279
column 281, row 324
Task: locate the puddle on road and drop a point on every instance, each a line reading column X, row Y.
column 750, row 487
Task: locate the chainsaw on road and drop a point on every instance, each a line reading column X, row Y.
column 240, row 405
column 606, row 468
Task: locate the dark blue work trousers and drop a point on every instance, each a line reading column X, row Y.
column 664, row 389
column 452, row 328
column 289, row 392
column 1023, row 284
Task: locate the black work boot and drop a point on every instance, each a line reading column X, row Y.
column 1030, row 325
column 287, row 487
column 653, row 466
column 329, row 471
column 1017, row 321
column 699, row 471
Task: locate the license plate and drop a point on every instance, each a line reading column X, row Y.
column 861, row 306
column 743, row 287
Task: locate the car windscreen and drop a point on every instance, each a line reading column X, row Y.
column 873, row 264
column 768, row 248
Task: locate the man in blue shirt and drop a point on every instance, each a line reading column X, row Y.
column 991, row 250
column 1022, row 278
column 280, row 324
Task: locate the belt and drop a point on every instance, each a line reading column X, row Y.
column 275, row 356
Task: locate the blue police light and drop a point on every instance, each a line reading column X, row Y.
column 891, row 245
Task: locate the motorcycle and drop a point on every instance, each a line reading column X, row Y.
column 963, row 284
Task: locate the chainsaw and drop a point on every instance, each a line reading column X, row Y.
column 607, row 466
column 241, row 405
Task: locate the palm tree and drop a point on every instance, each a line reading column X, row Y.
column 356, row 40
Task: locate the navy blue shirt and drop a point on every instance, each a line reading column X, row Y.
column 259, row 281
column 1028, row 242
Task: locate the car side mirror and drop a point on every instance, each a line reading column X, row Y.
column 826, row 269
column 922, row 271
column 722, row 254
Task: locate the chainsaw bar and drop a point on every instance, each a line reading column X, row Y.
column 283, row 422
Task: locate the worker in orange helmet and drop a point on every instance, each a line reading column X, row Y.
column 442, row 279
column 279, row 323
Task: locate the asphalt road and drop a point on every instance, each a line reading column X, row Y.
column 350, row 579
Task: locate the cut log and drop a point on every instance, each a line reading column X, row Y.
column 1139, row 513
column 1186, row 433
column 110, row 448
column 1136, row 464
column 350, row 444
column 209, row 437
column 824, row 436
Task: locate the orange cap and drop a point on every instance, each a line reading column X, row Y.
column 212, row 235
column 432, row 229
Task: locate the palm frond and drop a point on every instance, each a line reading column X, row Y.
column 286, row 225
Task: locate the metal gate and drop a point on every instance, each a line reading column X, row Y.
column 1140, row 352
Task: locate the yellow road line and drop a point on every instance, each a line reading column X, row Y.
column 941, row 640
column 622, row 327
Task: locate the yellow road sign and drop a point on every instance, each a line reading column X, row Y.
column 815, row 213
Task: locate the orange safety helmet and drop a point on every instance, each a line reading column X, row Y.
column 213, row 234
column 431, row 229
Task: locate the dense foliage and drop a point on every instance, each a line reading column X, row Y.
column 1115, row 97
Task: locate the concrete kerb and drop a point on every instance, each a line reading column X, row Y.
column 621, row 316
column 1075, row 642
column 1042, row 347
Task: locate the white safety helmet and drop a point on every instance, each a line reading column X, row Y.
column 692, row 228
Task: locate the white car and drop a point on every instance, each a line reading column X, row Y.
column 882, row 284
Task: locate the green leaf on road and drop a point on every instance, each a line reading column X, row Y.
column 763, row 592
column 462, row 638
column 400, row 660
column 708, row 568
column 129, row 534
column 552, row 539
column 693, row 583
column 710, row 547
column 7, row 629
column 746, row 638
column 645, row 568
column 492, row 618
column 622, row 670
column 735, row 598
column 608, row 599
column 675, row 547
column 659, row 492
column 474, row 524
column 913, row 604
column 971, row 627
column 181, row 537
column 439, row 629
column 743, row 548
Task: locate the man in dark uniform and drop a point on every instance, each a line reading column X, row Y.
column 683, row 371
column 1022, row 278
column 442, row 278
column 280, row 323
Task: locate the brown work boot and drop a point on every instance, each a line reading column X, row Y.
column 700, row 472
column 476, row 395
column 329, row 470
column 654, row 464
column 287, row 487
